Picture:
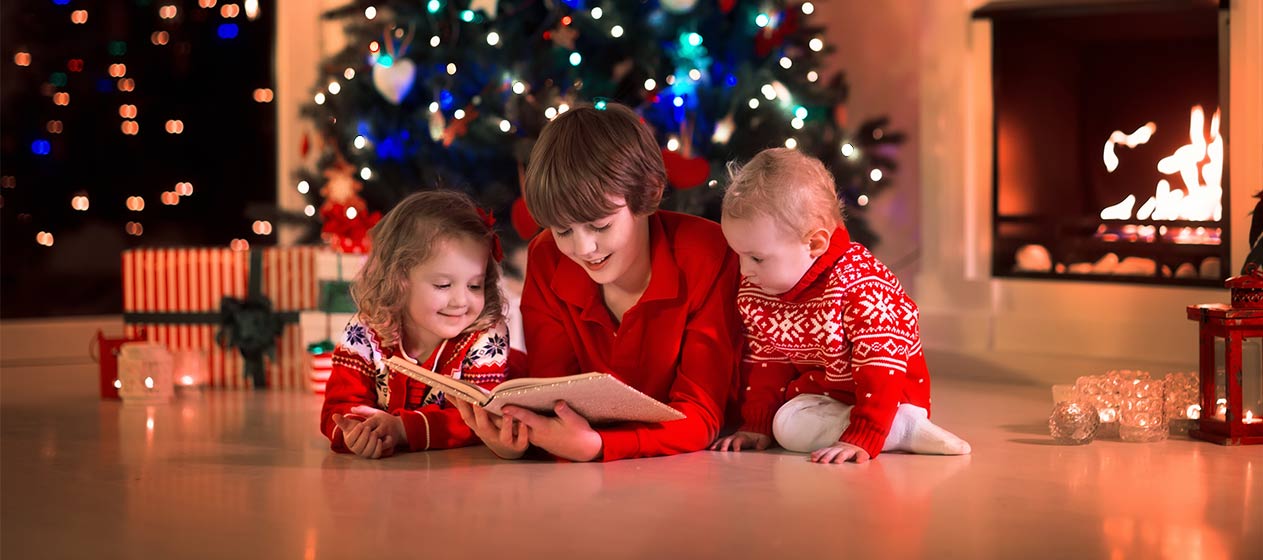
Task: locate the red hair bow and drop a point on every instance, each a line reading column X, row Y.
column 497, row 251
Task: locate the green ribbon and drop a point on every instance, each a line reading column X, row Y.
column 335, row 295
column 317, row 348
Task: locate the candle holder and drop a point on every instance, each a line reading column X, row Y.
column 1141, row 414
column 145, row 373
column 1230, row 364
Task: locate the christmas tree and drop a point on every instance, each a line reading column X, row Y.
column 454, row 93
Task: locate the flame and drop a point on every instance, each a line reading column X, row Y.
column 1140, row 136
column 1202, row 199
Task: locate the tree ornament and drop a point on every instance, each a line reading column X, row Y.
column 304, row 145
column 393, row 75
column 1073, row 422
column 341, row 187
column 678, row 6
column 523, row 223
column 683, row 170
column 459, row 127
column 723, row 130
column 773, row 35
column 726, row 6
column 487, row 6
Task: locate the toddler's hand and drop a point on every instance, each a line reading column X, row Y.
column 357, row 435
column 739, row 440
column 840, row 452
column 505, row 437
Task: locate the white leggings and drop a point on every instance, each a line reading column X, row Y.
column 809, row 422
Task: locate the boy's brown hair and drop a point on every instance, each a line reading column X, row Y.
column 585, row 156
column 407, row 237
column 792, row 188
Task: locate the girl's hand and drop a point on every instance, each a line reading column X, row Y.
column 739, row 440
column 359, row 439
column 505, row 437
column 840, row 452
column 568, row 436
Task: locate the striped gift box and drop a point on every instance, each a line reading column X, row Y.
column 321, row 369
column 174, row 296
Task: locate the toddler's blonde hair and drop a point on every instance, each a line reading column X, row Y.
column 793, row 189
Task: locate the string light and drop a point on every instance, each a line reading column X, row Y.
column 366, row 173
column 693, row 39
column 458, row 114
column 349, row 73
column 768, row 91
column 79, row 203
column 493, row 38
column 175, row 126
column 79, row 17
column 550, row 113
column 22, row 58
column 812, row 76
column 762, row 20
column 159, row 38
column 875, row 175
column 678, row 101
column 505, row 126
column 597, row 13
column 55, row 127
column 670, row 79
column 168, row 12
column 184, row 188
column 433, row 6
column 127, row 111
column 695, row 74
column 252, row 8
column 467, row 16
column 673, row 144
column 519, row 87
column 360, row 142
column 797, row 123
column 370, row 12
column 239, row 245
column 261, row 227
column 562, row 108
column 786, row 62
column 616, row 31
column 373, row 46
column 134, row 228
column 848, row 150
column 351, row 212
column 126, row 84
column 44, row 238
column 263, row 95
column 170, row 198
column 130, row 128
column 575, row 58
column 229, row 10
column 207, row 3
column 434, row 107
column 309, row 210
column 862, row 200
column 304, row 187
column 118, row 70
column 434, row 41
column 335, row 88
column 650, row 84
column 320, row 98
column 816, row 44
column 135, row 203
column 808, row 8
column 451, row 68
column 754, row 103
column 791, row 143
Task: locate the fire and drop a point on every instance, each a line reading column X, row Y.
column 1202, row 199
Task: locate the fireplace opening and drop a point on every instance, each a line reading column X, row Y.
column 1109, row 141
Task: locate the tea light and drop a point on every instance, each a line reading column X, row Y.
column 144, row 373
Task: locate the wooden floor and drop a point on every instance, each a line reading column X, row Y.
column 246, row 475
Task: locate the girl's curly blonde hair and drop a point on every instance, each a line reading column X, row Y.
column 405, row 238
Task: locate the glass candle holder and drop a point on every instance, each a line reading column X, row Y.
column 1141, row 415
column 1073, row 422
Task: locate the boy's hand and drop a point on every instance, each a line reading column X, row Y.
column 505, row 437
column 740, row 440
column 840, row 452
column 568, row 436
column 357, row 435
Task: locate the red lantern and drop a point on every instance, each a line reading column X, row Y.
column 1231, row 364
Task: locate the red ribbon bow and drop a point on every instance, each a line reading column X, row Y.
column 497, row 251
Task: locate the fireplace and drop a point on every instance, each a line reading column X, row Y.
column 1109, row 141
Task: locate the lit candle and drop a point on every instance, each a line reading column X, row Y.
column 1250, row 419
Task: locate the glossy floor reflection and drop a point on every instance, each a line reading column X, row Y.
column 246, row 475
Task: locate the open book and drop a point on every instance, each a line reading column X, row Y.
column 598, row 397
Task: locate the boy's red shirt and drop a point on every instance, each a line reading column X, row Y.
column 680, row 343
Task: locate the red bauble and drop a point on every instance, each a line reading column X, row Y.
column 304, row 145
column 523, row 223
column 685, row 173
column 725, row 6
column 769, row 39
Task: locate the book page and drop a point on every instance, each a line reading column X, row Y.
column 600, row 398
column 536, row 381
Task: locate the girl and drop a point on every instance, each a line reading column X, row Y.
column 429, row 292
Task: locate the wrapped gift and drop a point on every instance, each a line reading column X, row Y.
column 240, row 307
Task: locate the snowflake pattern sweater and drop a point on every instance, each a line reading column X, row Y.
column 360, row 376
column 846, row 330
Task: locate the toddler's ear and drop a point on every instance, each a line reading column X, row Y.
column 818, row 242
